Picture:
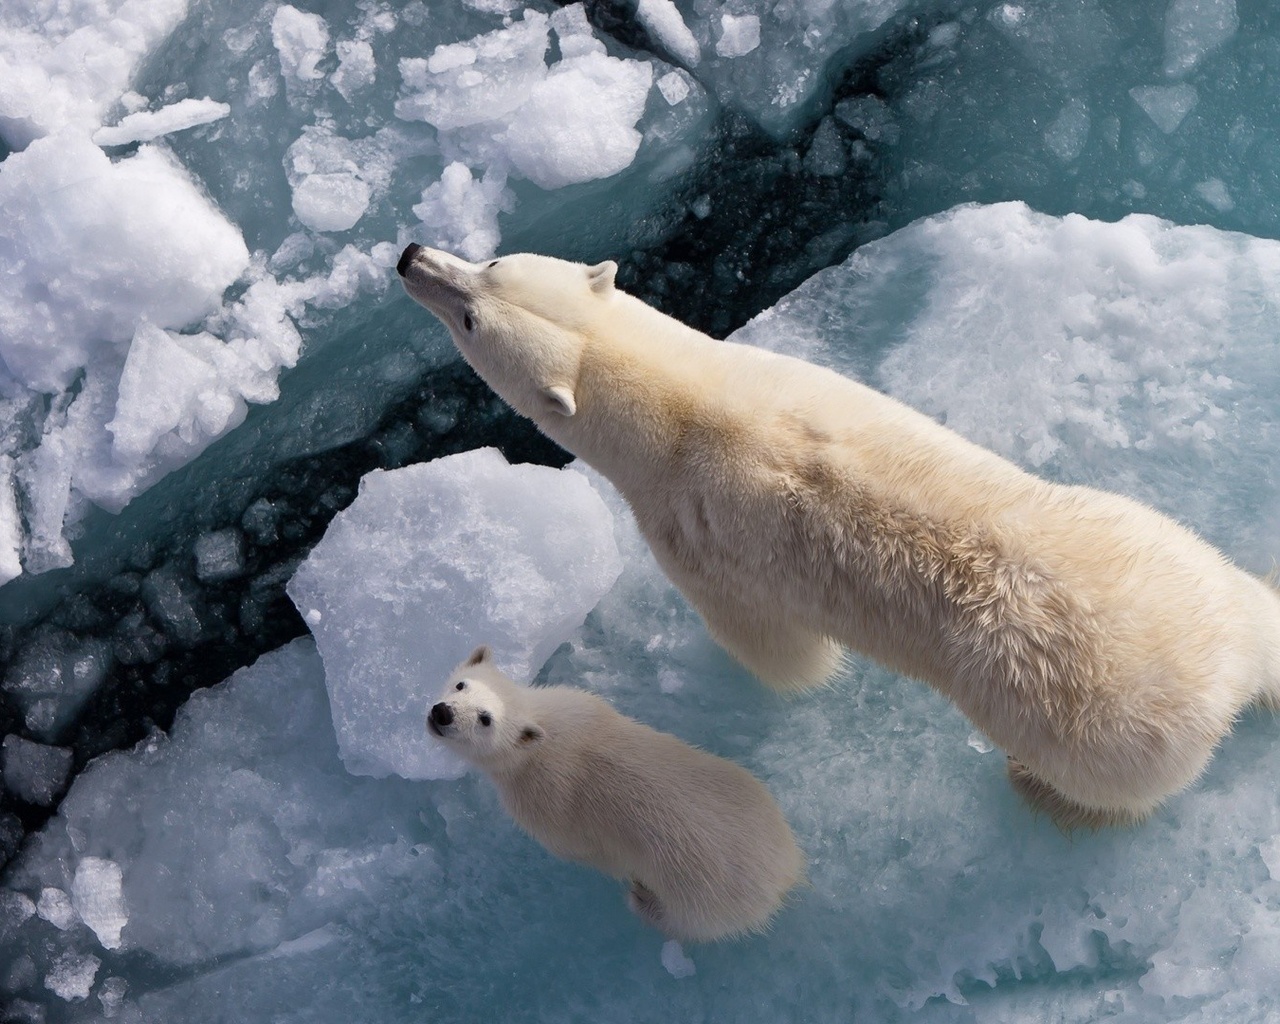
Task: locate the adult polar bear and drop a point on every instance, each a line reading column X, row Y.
column 1105, row 647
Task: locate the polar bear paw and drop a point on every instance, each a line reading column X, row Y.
column 1062, row 810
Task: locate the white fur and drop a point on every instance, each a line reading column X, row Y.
column 704, row 846
column 1105, row 647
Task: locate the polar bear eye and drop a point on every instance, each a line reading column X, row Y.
column 467, row 322
column 461, row 686
column 485, row 718
column 494, row 263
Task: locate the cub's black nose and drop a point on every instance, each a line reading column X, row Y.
column 406, row 257
column 442, row 714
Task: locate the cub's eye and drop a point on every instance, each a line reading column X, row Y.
column 485, row 718
column 467, row 322
column 461, row 686
column 494, row 263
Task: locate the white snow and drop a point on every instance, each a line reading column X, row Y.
column 453, row 553
column 145, row 125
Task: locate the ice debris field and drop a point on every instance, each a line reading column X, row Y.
column 251, row 510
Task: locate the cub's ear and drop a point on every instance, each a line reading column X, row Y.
column 559, row 399
column 530, row 734
column 601, row 276
column 480, row 654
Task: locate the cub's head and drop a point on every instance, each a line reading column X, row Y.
column 481, row 715
column 521, row 321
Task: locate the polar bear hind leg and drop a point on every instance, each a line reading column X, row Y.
column 1062, row 810
column 786, row 655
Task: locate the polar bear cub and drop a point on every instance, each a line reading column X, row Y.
column 703, row 845
column 1107, row 649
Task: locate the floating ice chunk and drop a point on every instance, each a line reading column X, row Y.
column 979, row 743
column 1193, row 29
column 15, row 909
column 486, row 79
column 95, row 247
column 448, row 554
column 569, row 132
column 870, row 117
column 1166, row 105
column 98, row 897
column 739, row 35
column 460, row 213
column 146, row 125
column 665, row 24
column 66, row 64
column 219, row 555
column 301, row 40
column 330, row 202
column 675, row 960
column 674, row 87
column 174, row 603
column 198, row 401
column 34, row 772
column 1270, row 853
column 357, row 68
column 72, row 975
column 54, row 906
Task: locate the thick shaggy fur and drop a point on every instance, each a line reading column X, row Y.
column 1106, row 648
column 703, row 845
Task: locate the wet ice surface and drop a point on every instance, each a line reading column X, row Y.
column 236, row 869
column 294, row 889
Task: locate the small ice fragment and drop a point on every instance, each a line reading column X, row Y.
column 15, row 908
column 97, row 893
column 111, row 995
column 827, row 156
column 55, row 907
column 146, row 125
column 1065, row 138
column 72, row 976
column 739, row 35
column 678, row 965
column 980, row 743
column 219, row 555
column 669, row 681
column 1193, row 29
column 314, row 617
column 701, row 207
column 674, row 88
column 34, row 772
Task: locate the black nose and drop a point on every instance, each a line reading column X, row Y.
column 406, row 257
column 442, row 714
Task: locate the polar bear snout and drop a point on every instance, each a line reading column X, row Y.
column 406, row 257
column 440, row 718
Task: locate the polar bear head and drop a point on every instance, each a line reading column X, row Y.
column 481, row 715
column 520, row 321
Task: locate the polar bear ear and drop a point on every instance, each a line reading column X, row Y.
column 481, row 654
column 559, row 398
column 530, row 734
column 601, row 276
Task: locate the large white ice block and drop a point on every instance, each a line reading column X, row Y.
column 430, row 561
